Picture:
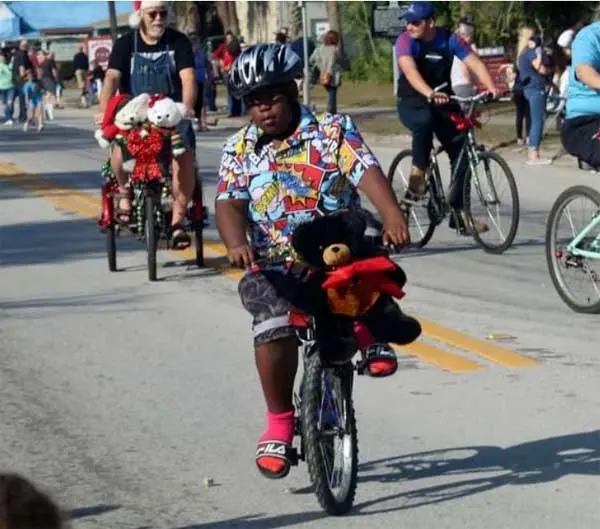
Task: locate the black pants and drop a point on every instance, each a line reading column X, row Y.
column 423, row 122
column 199, row 99
column 522, row 107
column 577, row 136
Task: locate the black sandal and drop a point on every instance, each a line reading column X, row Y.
column 180, row 240
column 123, row 215
column 275, row 450
column 380, row 360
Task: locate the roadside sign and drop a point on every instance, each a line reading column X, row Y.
column 99, row 49
column 494, row 58
column 385, row 19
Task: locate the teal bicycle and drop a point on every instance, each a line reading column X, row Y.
column 573, row 255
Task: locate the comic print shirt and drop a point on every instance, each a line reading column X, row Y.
column 314, row 172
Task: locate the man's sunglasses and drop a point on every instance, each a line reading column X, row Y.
column 154, row 13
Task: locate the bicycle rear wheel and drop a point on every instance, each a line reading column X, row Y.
column 111, row 247
column 151, row 235
column 483, row 198
column 329, row 434
column 420, row 224
column 562, row 265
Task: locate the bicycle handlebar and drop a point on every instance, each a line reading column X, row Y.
column 483, row 96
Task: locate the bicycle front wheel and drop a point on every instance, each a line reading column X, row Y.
column 420, row 224
column 491, row 197
column 151, row 235
column 329, row 434
column 575, row 278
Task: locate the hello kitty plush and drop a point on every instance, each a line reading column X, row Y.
column 165, row 114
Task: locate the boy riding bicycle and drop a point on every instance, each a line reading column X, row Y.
column 284, row 168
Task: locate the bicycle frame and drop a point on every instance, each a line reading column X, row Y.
column 469, row 149
column 577, row 252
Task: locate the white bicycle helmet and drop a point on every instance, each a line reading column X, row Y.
column 263, row 65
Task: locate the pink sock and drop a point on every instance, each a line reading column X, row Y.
column 280, row 427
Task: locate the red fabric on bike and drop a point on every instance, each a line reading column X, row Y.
column 463, row 123
column 372, row 269
column 298, row 319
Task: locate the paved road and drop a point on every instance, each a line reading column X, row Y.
column 121, row 396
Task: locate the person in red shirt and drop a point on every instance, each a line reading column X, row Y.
column 225, row 54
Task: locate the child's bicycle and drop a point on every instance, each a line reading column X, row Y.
column 575, row 254
column 325, row 423
column 480, row 188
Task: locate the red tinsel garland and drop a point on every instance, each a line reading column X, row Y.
column 146, row 150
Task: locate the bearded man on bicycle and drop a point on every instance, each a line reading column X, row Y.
column 155, row 59
column 287, row 167
column 425, row 55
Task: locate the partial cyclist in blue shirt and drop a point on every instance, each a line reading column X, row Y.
column 425, row 55
column 582, row 121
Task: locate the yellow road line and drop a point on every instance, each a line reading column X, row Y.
column 491, row 352
column 88, row 206
column 439, row 358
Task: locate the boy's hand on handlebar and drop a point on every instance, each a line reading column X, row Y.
column 241, row 256
column 395, row 230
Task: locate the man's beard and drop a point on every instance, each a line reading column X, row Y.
column 152, row 32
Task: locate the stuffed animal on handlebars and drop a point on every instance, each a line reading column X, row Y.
column 359, row 283
column 164, row 114
column 123, row 113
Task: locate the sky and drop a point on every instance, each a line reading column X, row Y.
column 41, row 15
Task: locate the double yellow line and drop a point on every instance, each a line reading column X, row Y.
column 428, row 348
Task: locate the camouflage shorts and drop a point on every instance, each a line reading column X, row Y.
column 270, row 312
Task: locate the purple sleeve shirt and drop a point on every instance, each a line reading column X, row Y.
column 407, row 47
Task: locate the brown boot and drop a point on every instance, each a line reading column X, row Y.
column 465, row 225
column 417, row 187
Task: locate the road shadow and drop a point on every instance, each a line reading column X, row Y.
column 477, row 469
column 257, row 521
column 84, row 303
column 54, row 241
column 15, row 141
column 96, row 510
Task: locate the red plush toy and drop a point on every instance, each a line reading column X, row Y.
column 110, row 129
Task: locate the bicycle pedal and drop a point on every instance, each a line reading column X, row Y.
column 292, row 456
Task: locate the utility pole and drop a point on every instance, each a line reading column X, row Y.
column 306, row 83
column 112, row 13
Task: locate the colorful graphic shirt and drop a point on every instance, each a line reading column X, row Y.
column 314, row 172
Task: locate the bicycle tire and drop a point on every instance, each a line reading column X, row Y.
column 566, row 196
column 390, row 176
column 111, row 247
column 199, row 242
column 151, row 238
column 514, row 226
column 311, row 401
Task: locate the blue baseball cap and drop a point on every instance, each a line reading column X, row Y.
column 418, row 11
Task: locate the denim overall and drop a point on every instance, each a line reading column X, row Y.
column 155, row 76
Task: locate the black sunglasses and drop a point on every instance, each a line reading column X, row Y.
column 155, row 13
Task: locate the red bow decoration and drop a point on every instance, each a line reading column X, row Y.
column 145, row 151
column 154, row 98
column 463, row 123
column 373, row 269
column 108, row 189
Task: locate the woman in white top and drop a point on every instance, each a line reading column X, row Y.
column 463, row 81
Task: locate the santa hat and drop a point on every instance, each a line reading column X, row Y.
column 109, row 130
column 136, row 16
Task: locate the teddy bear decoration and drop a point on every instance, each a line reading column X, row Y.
column 352, row 281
